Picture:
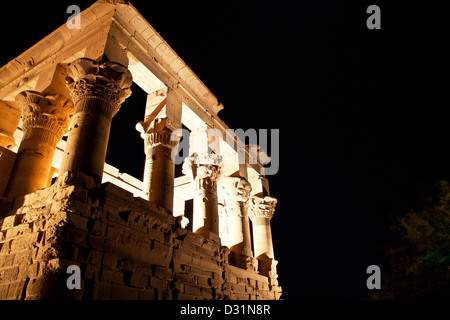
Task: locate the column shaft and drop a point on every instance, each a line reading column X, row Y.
column 260, row 211
column 236, row 191
column 159, row 172
column 262, row 234
column 223, row 224
column 45, row 120
column 204, row 176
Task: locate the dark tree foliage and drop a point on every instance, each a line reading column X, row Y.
column 419, row 263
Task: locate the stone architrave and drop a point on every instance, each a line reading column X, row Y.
column 204, row 170
column 159, row 172
column 236, row 191
column 260, row 211
column 45, row 120
column 98, row 89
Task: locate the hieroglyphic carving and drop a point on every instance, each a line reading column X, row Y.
column 259, row 207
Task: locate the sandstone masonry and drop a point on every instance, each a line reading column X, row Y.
column 126, row 248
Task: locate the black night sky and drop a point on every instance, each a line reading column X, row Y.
column 361, row 114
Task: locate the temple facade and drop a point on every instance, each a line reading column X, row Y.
column 61, row 205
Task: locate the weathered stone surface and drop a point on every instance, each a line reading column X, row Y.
column 135, row 253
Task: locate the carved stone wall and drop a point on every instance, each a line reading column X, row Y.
column 126, row 248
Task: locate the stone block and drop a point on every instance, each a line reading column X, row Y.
column 89, row 271
column 49, row 287
column 103, row 290
column 146, row 294
column 19, row 230
column 109, row 260
column 203, row 281
column 4, row 291
column 136, row 240
column 139, row 280
column 239, row 288
column 159, row 284
column 215, row 283
column 23, row 257
column 183, row 296
column 144, row 270
column 76, row 236
column 9, row 274
column 194, row 238
column 207, row 293
column 5, row 248
column 15, row 290
column 263, row 285
column 140, row 255
column 6, row 260
column 114, row 233
column 184, row 277
column 96, row 242
column 8, row 222
column 179, row 287
column 96, row 257
column 207, row 253
column 163, row 273
column 111, row 276
column 81, row 208
column 201, row 272
column 243, row 296
column 156, row 235
column 182, row 256
column 24, row 242
column 192, row 290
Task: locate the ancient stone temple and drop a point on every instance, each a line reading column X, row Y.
column 62, row 206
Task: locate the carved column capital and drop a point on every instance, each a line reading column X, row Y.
column 158, row 133
column 259, row 207
column 205, row 174
column 52, row 113
column 235, row 188
column 106, row 81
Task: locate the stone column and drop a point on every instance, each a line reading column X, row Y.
column 223, row 221
column 98, row 89
column 45, row 120
column 260, row 211
column 236, row 191
column 159, row 172
column 9, row 119
column 204, row 171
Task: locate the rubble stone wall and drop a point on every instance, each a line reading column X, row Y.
column 126, row 248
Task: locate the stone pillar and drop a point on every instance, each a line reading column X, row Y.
column 159, row 172
column 9, row 119
column 45, row 120
column 223, row 221
column 204, row 171
column 260, row 211
column 236, row 191
column 98, row 89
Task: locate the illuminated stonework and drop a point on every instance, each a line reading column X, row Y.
column 61, row 204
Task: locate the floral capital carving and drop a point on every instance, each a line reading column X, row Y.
column 109, row 82
column 50, row 112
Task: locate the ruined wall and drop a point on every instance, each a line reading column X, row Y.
column 126, row 248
